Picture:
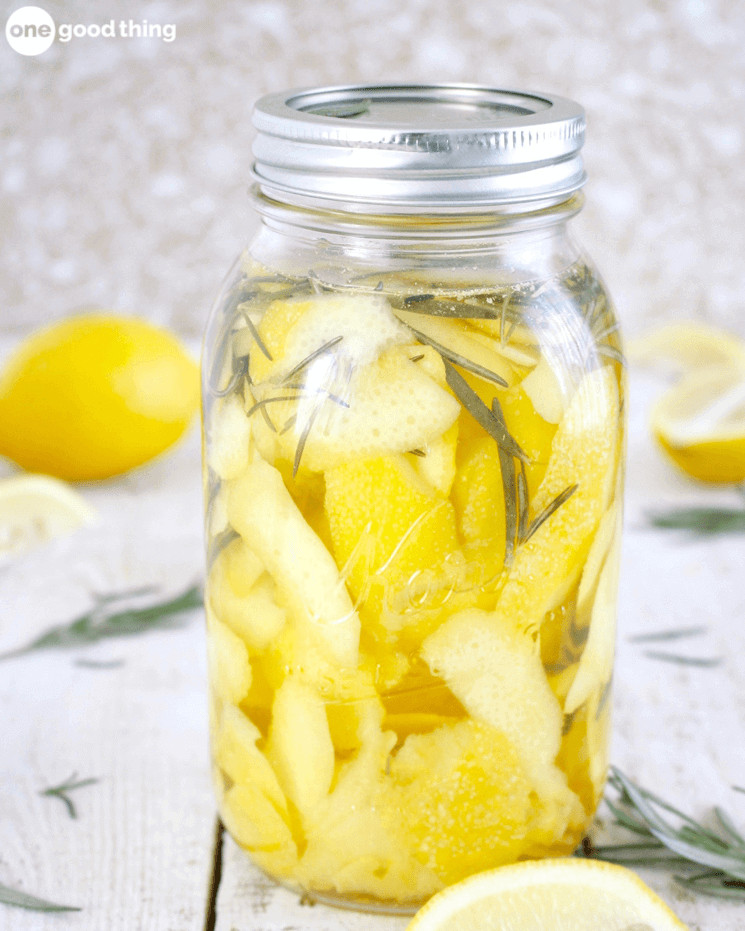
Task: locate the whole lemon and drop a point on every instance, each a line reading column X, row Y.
column 95, row 395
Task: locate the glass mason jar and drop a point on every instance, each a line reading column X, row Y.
column 413, row 404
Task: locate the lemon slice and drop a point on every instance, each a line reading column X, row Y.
column 561, row 895
column 35, row 509
column 682, row 347
column 700, row 423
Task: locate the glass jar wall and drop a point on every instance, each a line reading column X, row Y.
column 413, row 471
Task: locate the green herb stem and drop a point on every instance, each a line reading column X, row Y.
column 18, row 899
column 705, row 522
column 105, row 621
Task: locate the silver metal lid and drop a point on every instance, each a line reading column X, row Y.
column 415, row 147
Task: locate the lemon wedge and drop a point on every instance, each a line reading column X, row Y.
column 35, row 509
column 682, row 347
column 563, row 895
column 700, row 423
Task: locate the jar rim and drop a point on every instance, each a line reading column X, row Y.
column 418, row 146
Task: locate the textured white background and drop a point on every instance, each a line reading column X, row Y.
column 125, row 163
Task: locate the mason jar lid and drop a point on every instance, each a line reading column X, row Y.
column 415, row 147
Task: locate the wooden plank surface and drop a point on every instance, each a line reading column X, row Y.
column 140, row 853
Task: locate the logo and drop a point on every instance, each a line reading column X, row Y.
column 30, row 30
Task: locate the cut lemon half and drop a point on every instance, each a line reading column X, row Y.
column 700, row 423
column 36, row 508
column 560, row 895
column 682, row 347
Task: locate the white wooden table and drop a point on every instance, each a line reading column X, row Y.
column 142, row 855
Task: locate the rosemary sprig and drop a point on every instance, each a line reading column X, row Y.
column 18, row 899
column 670, row 838
column 106, row 620
column 61, row 791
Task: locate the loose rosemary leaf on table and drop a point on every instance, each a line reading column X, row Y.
column 704, row 522
column 108, row 618
column 20, row 899
column 670, row 838
column 61, row 791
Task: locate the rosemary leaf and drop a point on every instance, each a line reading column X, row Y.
column 677, row 633
column 104, row 620
column 683, row 660
column 33, row 903
column 259, row 405
column 239, row 372
column 701, row 521
column 61, row 792
column 312, row 356
column 460, row 360
column 523, row 504
column 300, row 448
column 255, row 333
column 713, row 884
column 99, row 664
column 612, row 352
column 481, row 413
column 550, row 509
column 218, row 544
column 509, row 488
column 724, row 820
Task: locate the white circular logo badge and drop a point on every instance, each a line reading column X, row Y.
column 30, row 30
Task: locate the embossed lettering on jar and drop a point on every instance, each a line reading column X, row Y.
column 413, row 448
